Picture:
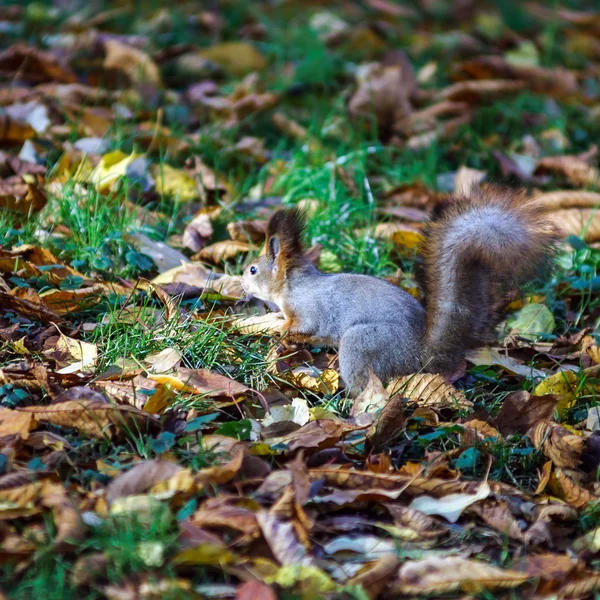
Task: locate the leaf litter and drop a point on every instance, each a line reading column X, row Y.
column 159, row 437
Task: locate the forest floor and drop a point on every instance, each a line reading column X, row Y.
column 158, row 437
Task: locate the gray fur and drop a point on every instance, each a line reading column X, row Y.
column 346, row 309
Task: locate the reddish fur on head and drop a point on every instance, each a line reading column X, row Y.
column 284, row 240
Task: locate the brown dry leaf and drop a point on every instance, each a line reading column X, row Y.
column 282, row 539
column 64, row 302
column 13, row 131
column 223, row 251
column 234, row 453
column 561, row 446
column 480, row 92
column 491, row 356
column 374, row 577
column 137, row 65
column 13, row 422
column 24, row 194
column 70, row 527
column 90, row 417
column 164, row 361
column 569, row 199
column 567, row 488
column 139, row 479
column 417, row 524
column 197, row 232
column 372, row 399
column 225, row 513
column 387, row 425
column 197, row 275
column 323, row 433
column 428, row 390
column 383, row 90
column 27, row 308
column 521, row 410
column 253, row 232
column 557, row 82
column 83, row 353
column 584, row 223
column 576, row 168
column 497, row 514
column 203, row 382
column 21, row 62
column 20, row 494
column 442, row 575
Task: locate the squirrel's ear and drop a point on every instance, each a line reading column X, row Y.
column 274, row 248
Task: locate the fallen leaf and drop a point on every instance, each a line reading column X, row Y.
column 143, row 476
column 238, row 57
column 428, row 390
column 521, row 410
column 137, row 65
column 451, row 506
column 96, row 419
column 561, row 446
column 441, row 575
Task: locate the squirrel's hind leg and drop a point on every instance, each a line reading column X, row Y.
column 388, row 349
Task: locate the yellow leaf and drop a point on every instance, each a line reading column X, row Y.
column 19, row 346
column 175, row 182
column 111, row 168
column 567, row 385
column 238, row 57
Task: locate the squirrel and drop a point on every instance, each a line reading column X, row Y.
column 476, row 249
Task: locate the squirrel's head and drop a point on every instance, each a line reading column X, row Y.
column 266, row 276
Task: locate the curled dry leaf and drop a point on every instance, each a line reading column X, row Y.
column 497, row 514
column 565, row 486
column 428, row 390
column 441, row 575
column 421, row 525
column 197, row 232
column 281, row 538
column 451, row 506
column 561, row 446
column 387, row 424
column 372, row 399
column 140, row 478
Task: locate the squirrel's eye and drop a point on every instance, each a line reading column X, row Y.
column 253, row 270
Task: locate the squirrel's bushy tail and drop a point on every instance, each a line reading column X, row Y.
column 477, row 249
